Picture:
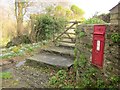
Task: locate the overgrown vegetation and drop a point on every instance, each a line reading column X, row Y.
column 91, row 77
column 47, row 26
column 62, row 79
column 58, row 79
column 87, row 75
column 87, row 79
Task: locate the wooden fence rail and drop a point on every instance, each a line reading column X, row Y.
column 68, row 28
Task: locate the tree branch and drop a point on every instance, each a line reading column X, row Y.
column 25, row 7
column 16, row 8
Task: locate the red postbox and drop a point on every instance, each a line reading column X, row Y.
column 98, row 45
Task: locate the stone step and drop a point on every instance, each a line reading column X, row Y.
column 67, row 45
column 66, row 37
column 70, row 33
column 51, row 59
column 67, row 40
column 68, row 52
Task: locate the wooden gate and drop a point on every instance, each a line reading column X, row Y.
column 68, row 33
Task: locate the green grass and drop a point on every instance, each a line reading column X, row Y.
column 6, row 75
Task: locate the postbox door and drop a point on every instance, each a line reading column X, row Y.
column 98, row 49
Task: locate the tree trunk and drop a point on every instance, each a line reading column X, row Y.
column 20, row 19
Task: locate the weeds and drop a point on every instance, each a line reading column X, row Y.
column 62, row 79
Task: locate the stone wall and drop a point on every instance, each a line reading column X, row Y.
column 84, row 42
column 112, row 63
column 84, row 37
column 115, row 14
column 104, row 17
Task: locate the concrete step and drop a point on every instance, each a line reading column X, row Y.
column 67, row 52
column 51, row 59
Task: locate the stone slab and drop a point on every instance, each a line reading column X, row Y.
column 52, row 59
column 67, row 40
column 64, row 44
column 60, row 50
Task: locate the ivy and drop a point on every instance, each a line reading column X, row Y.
column 58, row 80
column 100, row 83
column 82, row 61
column 75, row 64
column 115, row 37
column 75, row 52
column 81, row 34
column 114, row 80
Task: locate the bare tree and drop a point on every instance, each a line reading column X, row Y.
column 20, row 11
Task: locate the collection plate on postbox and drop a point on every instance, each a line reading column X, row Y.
column 98, row 45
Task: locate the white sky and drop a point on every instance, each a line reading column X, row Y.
column 89, row 6
column 92, row 6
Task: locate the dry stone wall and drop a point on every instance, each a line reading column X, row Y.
column 84, row 38
column 112, row 57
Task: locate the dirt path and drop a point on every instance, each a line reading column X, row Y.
column 27, row 77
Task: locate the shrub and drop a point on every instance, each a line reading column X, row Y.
column 94, row 21
column 46, row 26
